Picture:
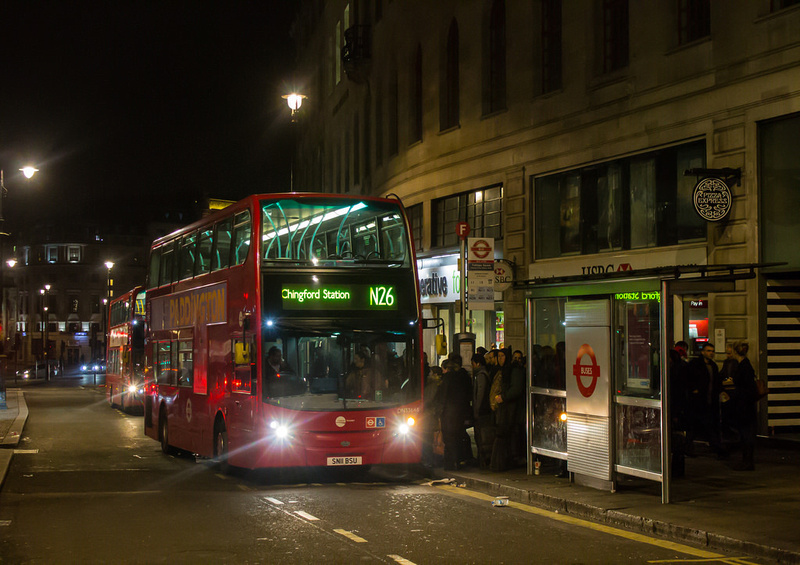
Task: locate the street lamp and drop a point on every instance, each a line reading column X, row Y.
column 294, row 100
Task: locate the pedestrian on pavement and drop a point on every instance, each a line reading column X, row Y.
column 705, row 384
column 456, row 411
column 726, row 408
column 466, row 456
column 678, row 398
column 482, row 411
column 512, row 388
column 745, row 396
column 430, row 416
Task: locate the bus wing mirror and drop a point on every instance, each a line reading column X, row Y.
column 431, row 323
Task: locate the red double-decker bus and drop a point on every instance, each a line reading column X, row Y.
column 285, row 331
column 125, row 351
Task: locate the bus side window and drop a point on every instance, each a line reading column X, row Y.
column 185, row 366
column 204, row 252
column 221, row 254
column 187, row 256
column 167, row 269
column 165, row 369
column 241, row 237
column 155, row 263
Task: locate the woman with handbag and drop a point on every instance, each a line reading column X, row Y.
column 745, row 396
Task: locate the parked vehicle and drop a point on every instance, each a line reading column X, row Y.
column 39, row 370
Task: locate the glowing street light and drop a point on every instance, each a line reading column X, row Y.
column 294, row 101
column 29, row 171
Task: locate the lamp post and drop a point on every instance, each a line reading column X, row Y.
column 294, row 100
column 28, row 171
column 107, row 301
column 45, row 292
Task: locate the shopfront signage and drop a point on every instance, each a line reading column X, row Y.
column 638, row 296
column 503, row 276
column 712, row 199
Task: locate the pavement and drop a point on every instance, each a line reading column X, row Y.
column 755, row 513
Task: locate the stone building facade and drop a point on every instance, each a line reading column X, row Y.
column 563, row 130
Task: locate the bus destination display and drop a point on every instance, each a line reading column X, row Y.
column 339, row 297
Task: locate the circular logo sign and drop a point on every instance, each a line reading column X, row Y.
column 712, row 199
column 340, row 421
column 586, row 371
column 481, row 249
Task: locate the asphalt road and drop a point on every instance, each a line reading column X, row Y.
column 86, row 486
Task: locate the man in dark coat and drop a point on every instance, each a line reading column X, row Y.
column 705, row 384
column 454, row 394
column 481, row 411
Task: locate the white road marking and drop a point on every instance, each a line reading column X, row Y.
column 305, row 515
column 401, row 560
column 25, row 451
column 5, row 522
column 350, row 535
column 274, row 501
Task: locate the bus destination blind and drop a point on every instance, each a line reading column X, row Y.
column 374, row 297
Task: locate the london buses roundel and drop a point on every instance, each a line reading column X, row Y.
column 590, row 372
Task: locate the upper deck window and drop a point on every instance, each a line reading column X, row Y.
column 334, row 232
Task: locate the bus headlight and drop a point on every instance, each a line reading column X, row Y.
column 405, row 427
column 133, row 389
column 281, row 430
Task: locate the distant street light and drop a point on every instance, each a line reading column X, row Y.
column 29, row 171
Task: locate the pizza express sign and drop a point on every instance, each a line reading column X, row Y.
column 712, row 199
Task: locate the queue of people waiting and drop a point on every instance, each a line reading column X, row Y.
column 712, row 404
column 491, row 401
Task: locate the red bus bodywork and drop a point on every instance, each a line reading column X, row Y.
column 125, row 351
column 207, row 389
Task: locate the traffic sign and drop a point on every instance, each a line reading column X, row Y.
column 462, row 230
column 481, row 249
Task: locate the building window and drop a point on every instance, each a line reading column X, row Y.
column 52, row 253
column 482, row 209
column 694, row 20
column 449, row 95
column 415, row 105
column 74, row 253
column 415, row 219
column 494, row 80
column 631, row 203
column 551, row 45
column 615, row 35
column 779, row 170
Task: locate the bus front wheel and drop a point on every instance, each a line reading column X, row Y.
column 221, row 448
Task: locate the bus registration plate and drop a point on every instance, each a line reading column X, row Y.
column 350, row 460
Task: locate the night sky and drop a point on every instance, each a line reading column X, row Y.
column 133, row 107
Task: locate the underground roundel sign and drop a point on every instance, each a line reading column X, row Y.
column 588, row 373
